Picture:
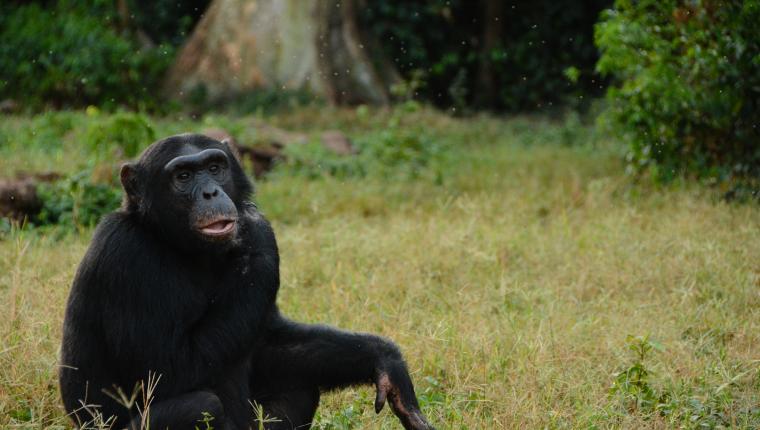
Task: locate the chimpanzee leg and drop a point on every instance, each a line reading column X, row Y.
column 288, row 410
column 184, row 412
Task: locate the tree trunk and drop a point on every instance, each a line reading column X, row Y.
column 315, row 45
column 493, row 17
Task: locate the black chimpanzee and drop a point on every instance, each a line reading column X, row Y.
column 181, row 283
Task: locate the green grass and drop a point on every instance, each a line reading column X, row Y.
column 515, row 283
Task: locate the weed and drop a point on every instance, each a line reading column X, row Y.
column 633, row 382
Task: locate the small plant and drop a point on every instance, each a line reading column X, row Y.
column 5, row 227
column 433, row 394
column 143, row 391
column 261, row 418
column 205, row 422
column 632, row 383
column 346, row 419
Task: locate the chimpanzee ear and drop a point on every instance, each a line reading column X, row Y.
column 227, row 142
column 129, row 182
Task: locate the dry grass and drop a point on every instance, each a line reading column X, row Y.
column 511, row 288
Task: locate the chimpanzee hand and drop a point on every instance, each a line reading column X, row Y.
column 393, row 382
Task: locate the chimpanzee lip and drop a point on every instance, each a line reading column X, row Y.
column 218, row 227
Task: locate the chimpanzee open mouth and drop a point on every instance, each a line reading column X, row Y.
column 218, row 227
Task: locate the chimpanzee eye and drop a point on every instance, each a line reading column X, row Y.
column 183, row 176
column 214, row 169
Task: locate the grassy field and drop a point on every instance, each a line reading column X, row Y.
column 530, row 283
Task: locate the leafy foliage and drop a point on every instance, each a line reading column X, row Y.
column 125, row 132
column 688, row 93
column 70, row 54
column 438, row 45
column 167, row 21
column 76, row 201
column 632, row 383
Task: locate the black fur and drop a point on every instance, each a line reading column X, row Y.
column 153, row 296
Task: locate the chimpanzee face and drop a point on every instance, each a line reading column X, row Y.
column 200, row 181
column 188, row 189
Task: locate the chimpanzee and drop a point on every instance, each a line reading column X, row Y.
column 180, row 284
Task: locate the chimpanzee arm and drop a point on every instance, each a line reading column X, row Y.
column 328, row 358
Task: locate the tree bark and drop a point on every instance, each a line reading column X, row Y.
column 493, row 18
column 315, row 45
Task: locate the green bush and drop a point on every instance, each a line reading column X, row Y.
column 76, row 201
column 125, row 132
column 687, row 97
column 69, row 54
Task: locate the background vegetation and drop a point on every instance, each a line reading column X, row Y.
column 684, row 74
column 536, row 44
column 688, row 101
column 72, row 53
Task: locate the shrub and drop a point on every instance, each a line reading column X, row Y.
column 687, row 97
column 69, row 55
column 124, row 132
column 76, row 201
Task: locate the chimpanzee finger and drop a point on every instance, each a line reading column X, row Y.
column 414, row 420
column 418, row 422
column 383, row 386
column 380, row 400
column 408, row 412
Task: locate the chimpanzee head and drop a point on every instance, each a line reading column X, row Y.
column 189, row 189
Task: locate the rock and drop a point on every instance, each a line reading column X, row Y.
column 39, row 177
column 8, row 106
column 277, row 137
column 18, row 198
column 337, row 142
column 269, row 144
column 262, row 157
column 219, row 134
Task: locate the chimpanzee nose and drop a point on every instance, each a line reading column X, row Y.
column 208, row 194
